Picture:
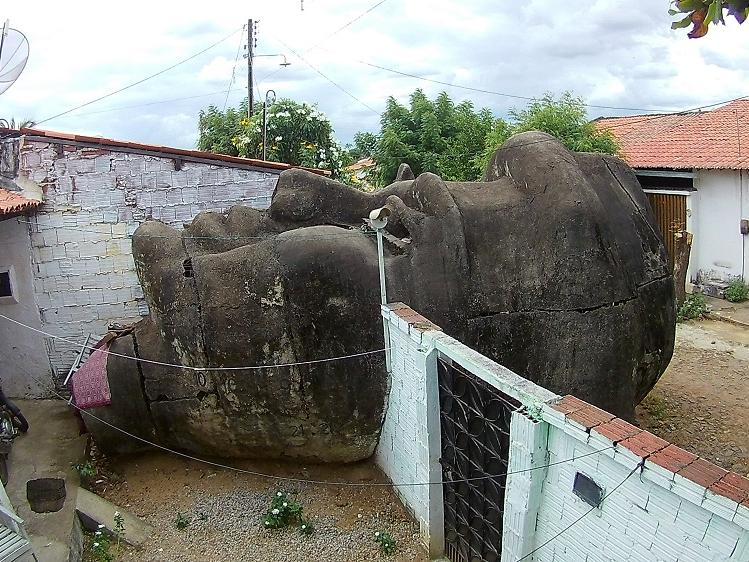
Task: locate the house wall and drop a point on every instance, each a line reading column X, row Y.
column 84, row 274
column 719, row 249
column 659, row 501
column 24, row 358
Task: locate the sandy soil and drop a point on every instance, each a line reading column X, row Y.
column 225, row 510
column 700, row 401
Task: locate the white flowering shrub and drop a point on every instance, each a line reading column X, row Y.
column 297, row 134
column 283, row 512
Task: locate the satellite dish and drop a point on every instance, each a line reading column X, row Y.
column 14, row 52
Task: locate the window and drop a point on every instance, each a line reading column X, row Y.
column 7, row 286
column 5, row 289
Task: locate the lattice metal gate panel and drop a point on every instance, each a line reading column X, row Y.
column 475, row 423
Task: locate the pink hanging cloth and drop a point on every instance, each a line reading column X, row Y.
column 90, row 383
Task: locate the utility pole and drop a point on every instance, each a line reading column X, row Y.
column 250, row 40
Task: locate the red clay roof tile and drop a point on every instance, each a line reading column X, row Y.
column 717, row 139
column 14, row 204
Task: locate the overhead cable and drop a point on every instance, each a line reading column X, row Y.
column 136, row 83
column 190, row 367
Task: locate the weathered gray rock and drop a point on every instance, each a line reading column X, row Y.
column 552, row 266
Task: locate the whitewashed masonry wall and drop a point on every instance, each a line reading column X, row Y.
column 95, row 198
column 660, row 502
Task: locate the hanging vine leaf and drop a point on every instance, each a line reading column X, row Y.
column 701, row 13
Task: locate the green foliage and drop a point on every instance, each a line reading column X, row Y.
column 20, row 124
column 181, row 522
column 87, row 473
column 298, row 134
column 564, row 118
column 701, row 13
column 695, row 306
column 217, row 129
column 432, row 136
column 737, row 291
column 100, row 547
column 386, row 542
column 364, row 146
column 283, row 512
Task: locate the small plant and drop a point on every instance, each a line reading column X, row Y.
column 737, row 291
column 181, row 522
column 695, row 306
column 283, row 512
column 87, row 472
column 386, row 542
column 100, row 546
column 119, row 527
column 306, row 528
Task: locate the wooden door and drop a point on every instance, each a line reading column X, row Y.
column 671, row 215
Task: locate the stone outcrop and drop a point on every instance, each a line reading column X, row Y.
column 552, row 266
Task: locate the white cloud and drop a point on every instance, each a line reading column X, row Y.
column 607, row 53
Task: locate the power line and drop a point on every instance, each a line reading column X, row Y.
column 568, row 527
column 136, row 83
column 321, row 73
column 333, row 33
column 234, row 68
column 189, row 367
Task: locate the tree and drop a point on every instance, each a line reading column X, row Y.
column 363, row 147
column 701, row 13
column 297, row 134
column 22, row 123
column 432, row 136
column 564, row 119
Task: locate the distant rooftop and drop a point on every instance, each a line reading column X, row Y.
column 12, row 204
column 717, row 139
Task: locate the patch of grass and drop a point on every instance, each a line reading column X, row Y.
column 656, row 408
column 181, row 522
column 737, row 291
column 386, row 542
column 695, row 306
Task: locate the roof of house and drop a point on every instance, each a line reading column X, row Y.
column 360, row 164
column 717, row 139
column 124, row 146
column 12, row 204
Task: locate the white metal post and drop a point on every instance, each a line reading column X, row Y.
column 383, row 296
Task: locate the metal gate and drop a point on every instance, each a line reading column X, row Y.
column 475, row 425
column 671, row 215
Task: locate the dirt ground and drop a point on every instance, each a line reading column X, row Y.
column 698, row 404
column 225, row 512
column 700, row 401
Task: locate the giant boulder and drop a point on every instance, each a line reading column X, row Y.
column 552, row 266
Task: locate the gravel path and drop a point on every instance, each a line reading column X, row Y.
column 225, row 511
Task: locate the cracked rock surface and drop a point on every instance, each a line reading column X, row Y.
column 552, row 266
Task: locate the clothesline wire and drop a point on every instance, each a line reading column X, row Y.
column 576, row 521
column 328, row 482
column 190, row 367
column 352, row 232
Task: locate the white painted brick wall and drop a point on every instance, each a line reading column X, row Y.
column 94, row 201
column 651, row 517
column 640, row 521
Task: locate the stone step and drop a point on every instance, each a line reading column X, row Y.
column 94, row 510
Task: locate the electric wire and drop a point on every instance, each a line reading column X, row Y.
column 328, row 36
column 328, row 78
column 141, row 81
column 234, row 68
column 568, row 527
column 341, row 483
column 190, row 367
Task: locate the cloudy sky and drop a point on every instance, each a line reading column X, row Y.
column 610, row 53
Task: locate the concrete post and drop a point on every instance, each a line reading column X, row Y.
column 434, row 445
column 528, row 449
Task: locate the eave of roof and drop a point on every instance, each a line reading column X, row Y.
column 124, row 146
column 13, row 204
